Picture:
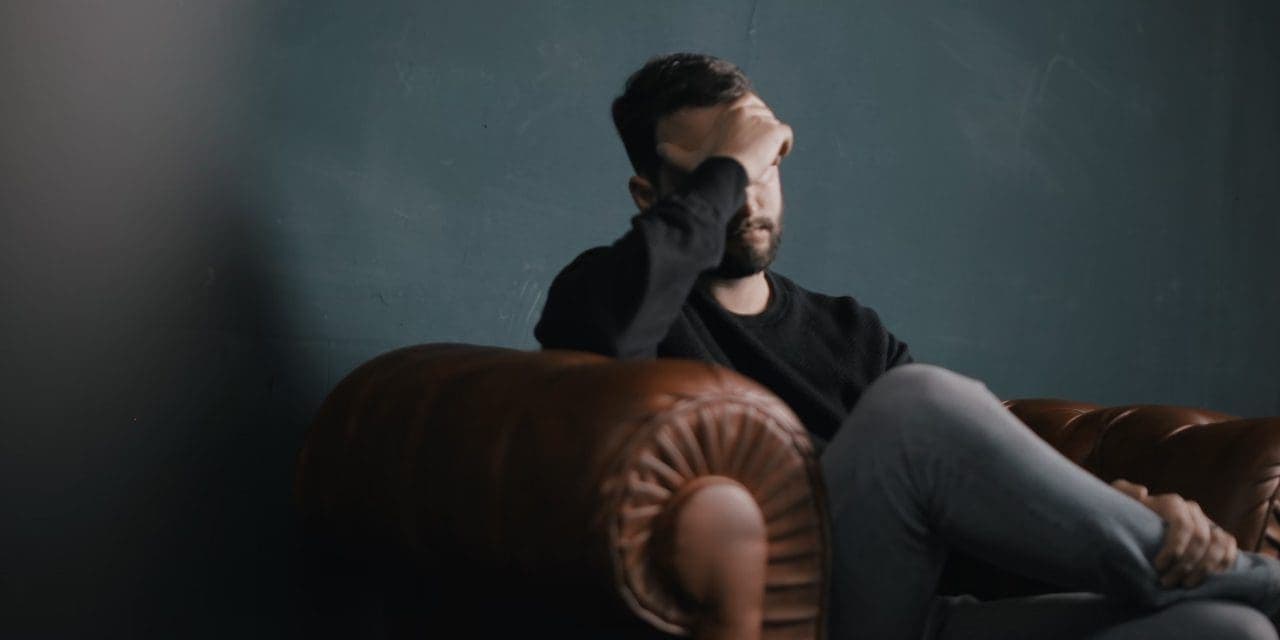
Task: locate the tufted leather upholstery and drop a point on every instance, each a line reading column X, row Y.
column 553, row 469
column 1231, row 466
column 563, row 480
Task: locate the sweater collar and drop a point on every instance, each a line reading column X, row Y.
column 773, row 310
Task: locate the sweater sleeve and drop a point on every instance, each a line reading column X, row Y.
column 897, row 352
column 621, row 300
column 881, row 349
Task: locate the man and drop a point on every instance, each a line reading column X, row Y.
column 917, row 459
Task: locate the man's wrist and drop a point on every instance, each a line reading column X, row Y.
column 722, row 182
column 726, row 161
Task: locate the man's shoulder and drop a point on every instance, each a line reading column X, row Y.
column 593, row 252
column 844, row 310
column 815, row 298
column 586, row 258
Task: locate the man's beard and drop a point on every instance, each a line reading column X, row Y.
column 742, row 258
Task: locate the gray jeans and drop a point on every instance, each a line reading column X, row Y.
column 930, row 460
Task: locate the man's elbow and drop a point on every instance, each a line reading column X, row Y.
column 593, row 341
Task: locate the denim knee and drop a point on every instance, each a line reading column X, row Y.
column 920, row 394
column 924, row 381
column 1212, row 619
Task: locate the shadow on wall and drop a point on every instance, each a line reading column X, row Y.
column 214, row 528
column 153, row 406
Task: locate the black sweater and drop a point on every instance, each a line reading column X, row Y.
column 638, row 298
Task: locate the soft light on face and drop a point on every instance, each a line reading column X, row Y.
column 754, row 233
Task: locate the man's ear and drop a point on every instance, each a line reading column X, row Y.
column 643, row 192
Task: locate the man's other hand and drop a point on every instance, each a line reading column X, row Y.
column 747, row 131
column 1194, row 546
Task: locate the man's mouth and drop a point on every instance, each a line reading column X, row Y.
column 755, row 226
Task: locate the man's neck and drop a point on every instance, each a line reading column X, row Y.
column 744, row 296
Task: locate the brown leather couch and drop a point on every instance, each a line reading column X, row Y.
column 480, row 491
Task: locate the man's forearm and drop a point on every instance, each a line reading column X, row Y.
column 621, row 300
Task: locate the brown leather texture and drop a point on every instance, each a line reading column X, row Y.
column 543, row 474
column 1230, row 465
column 552, row 477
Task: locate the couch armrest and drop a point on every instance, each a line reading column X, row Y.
column 567, row 478
column 1231, row 466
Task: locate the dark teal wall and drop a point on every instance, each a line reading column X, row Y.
column 1062, row 199
column 212, row 211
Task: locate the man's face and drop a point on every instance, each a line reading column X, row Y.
column 755, row 231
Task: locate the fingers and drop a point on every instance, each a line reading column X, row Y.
column 1233, row 550
column 1135, row 491
column 747, row 131
column 1194, row 546
column 1178, row 533
column 1218, row 558
column 747, row 99
column 747, row 112
column 784, row 144
column 750, row 106
column 750, row 101
column 1198, row 559
column 1224, row 549
column 770, row 127
column 1185, row 558
column 1193, row 561
column 787, row 142
column 677, row 156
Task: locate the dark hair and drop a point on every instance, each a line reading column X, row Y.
column 664, row 85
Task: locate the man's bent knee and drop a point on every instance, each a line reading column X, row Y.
column 913, row 401
column 920, row 379
column 916, row 393
column 1217, row 620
